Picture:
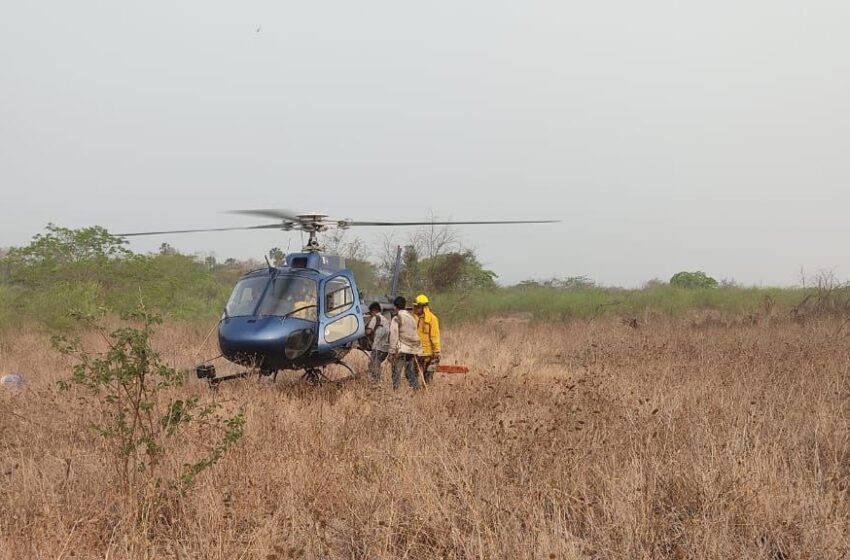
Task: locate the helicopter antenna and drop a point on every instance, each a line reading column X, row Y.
column 268, row 264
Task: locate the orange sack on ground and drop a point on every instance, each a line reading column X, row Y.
column 446, row 368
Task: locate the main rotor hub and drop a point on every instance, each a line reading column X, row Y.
column 314, row 222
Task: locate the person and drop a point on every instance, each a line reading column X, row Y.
column 428, row 327
column 378, row 330
column 304, row 302
column 405, row 345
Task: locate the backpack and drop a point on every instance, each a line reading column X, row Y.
column 365, row 342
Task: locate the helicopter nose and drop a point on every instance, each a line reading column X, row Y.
column 253, row 340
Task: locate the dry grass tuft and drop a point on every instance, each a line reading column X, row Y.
column 581, row 440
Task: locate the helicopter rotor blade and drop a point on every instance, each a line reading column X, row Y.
column 265, row 226
column 442, row 223
column 317, row 222
column 280, row 214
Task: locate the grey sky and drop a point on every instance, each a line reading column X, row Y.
column 666, row 135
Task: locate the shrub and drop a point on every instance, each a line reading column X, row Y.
column 141, row 417
column 692, row 280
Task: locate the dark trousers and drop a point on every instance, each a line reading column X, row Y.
column 406, row 363
column 377, row 358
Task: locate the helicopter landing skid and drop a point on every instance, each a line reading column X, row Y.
column 207, row 371
column 317, row 376
column 313, row 375
column 213, row 381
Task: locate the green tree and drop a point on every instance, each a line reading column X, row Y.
column 366, row 275
column 65, row 270
column 276, row 256
column 454, row 271
column 692, row 280
column 66, row 252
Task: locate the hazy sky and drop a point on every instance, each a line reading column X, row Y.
column 665, row 135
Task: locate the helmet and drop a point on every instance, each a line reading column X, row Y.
column 421, row 299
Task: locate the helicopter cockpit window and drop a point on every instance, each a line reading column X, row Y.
column 291, row 295
column 245, row 297
column 339, row 297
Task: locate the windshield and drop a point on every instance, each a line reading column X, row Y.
column 288, row 294
column 246, row 295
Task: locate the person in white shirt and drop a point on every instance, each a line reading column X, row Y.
column 378, row 330
column 405, row 345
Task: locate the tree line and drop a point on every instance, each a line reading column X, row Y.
column 88, row 269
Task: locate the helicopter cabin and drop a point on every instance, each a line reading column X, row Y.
column 311, row 291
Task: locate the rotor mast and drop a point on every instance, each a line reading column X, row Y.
column 313, row 224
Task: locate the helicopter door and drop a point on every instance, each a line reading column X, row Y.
column 340, row 318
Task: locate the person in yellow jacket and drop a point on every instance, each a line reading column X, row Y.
column 429, row 333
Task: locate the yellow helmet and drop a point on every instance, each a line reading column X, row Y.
column 421, row 299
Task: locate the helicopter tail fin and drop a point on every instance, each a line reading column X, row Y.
column 396, row 272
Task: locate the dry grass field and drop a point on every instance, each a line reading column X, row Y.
column 681, row 438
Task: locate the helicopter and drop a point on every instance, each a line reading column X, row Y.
column 305, row 314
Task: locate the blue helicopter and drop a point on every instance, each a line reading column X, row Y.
column 306, row 314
